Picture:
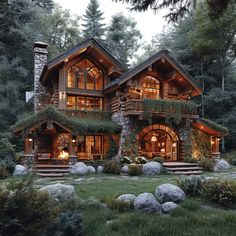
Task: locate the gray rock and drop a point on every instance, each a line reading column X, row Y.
column 169, row 193
column 99, row 169
column 59, row 192
column 79, row 168
column 221, row 165
column 129, row 198
column 146, row 202
column 20, row 170
column 152, row 168
column 125, row 169
column 168, row 206
column 91, row 169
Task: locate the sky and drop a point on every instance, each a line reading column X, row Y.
column 148, row 23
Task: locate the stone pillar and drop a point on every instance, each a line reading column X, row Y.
column 125, row 122
column 40, row 60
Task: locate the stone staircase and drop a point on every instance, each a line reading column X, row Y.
column 51, row 170
column 182, row 168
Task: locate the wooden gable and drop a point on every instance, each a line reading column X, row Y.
column 90, row 49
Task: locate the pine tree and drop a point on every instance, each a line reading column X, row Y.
column 93, row 26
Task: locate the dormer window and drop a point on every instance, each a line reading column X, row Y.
column 150, row 88
column 85, row 75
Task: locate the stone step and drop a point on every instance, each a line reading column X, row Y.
column 179, row 164
column 183, row 168
column 197, row 172
column 51, row 170
column 51, row 174
column 50, row 166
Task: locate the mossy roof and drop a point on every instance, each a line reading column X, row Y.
column 73, row 124
column 222, row 131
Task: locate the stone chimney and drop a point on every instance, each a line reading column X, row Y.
column 40, row 60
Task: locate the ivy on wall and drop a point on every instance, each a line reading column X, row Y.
column 201, row 144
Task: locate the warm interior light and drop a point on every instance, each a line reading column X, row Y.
column 218, row 139
column 66, row 60
column 174, row 145
column 201, row 127
column 101, row 60
column 163, row 150
column 212, row 142
column 30, row 139
column 73, row 140
column 154, row 138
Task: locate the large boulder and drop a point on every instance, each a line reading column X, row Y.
column 221, row 165
column 129, row 198
column 168, row 206
column 146, row 202
column 99, row 169
column 79, row 168
column 91, row 170
column 20, row 170
column 59, row 192
column 152, row 168
column 125, row 170
column 169, row 193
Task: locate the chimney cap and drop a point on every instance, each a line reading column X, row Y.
column 40, row 45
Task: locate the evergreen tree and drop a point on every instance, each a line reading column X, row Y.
column 93, row 26
column 123, row 38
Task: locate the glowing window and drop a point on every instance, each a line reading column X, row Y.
column 150, row 88
column 85, row 75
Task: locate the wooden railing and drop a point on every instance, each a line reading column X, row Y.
column 160, row 106
column 95, row 115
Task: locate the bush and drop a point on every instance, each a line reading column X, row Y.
column 66, row 224
column 207, row 164
column 159, row 159
column 118, row 205
column 191, row 185
column 24, row 211
column 112, row 167
column 190, row 159
column 141, row 160
column 230, row 157
column 126, row 160
column 113, row 150
column 4, row 173
column 218, row 191
column 135, row 169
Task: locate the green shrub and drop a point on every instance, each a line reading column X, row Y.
column 135, row 169
column 126, row 160
column 190, row 159
column 230, row 157
column 207, row 164
column 118, row 205
column 112, row 167
column 141, row 160
column 159, row 159
column 24, row 211
column 192, row 185
column 66, row 224
column 4, row 173
column 218, row 191
column 113, row 150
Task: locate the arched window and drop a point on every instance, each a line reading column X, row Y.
column 85, row 75
column 150, row 88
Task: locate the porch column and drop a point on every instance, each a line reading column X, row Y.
column 28, row 151
column 72, row 146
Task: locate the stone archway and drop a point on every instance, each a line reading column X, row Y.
column 158, row 140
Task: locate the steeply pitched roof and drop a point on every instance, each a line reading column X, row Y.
column 79, row 48
column 164, row 53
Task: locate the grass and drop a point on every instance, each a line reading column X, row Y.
column 192, row 218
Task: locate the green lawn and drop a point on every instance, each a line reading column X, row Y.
column 192, row 218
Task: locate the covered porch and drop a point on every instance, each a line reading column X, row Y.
column 51, row 137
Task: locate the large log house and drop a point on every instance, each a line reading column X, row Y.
column 84, row 98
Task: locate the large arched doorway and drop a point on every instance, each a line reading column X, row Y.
column 158, row 140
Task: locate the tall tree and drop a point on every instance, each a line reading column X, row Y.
column 93, row 26
column 123, row 38
column 179, row 8
column 60, row 30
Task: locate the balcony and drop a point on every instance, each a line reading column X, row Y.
column 161, row 107
column 95, row 115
